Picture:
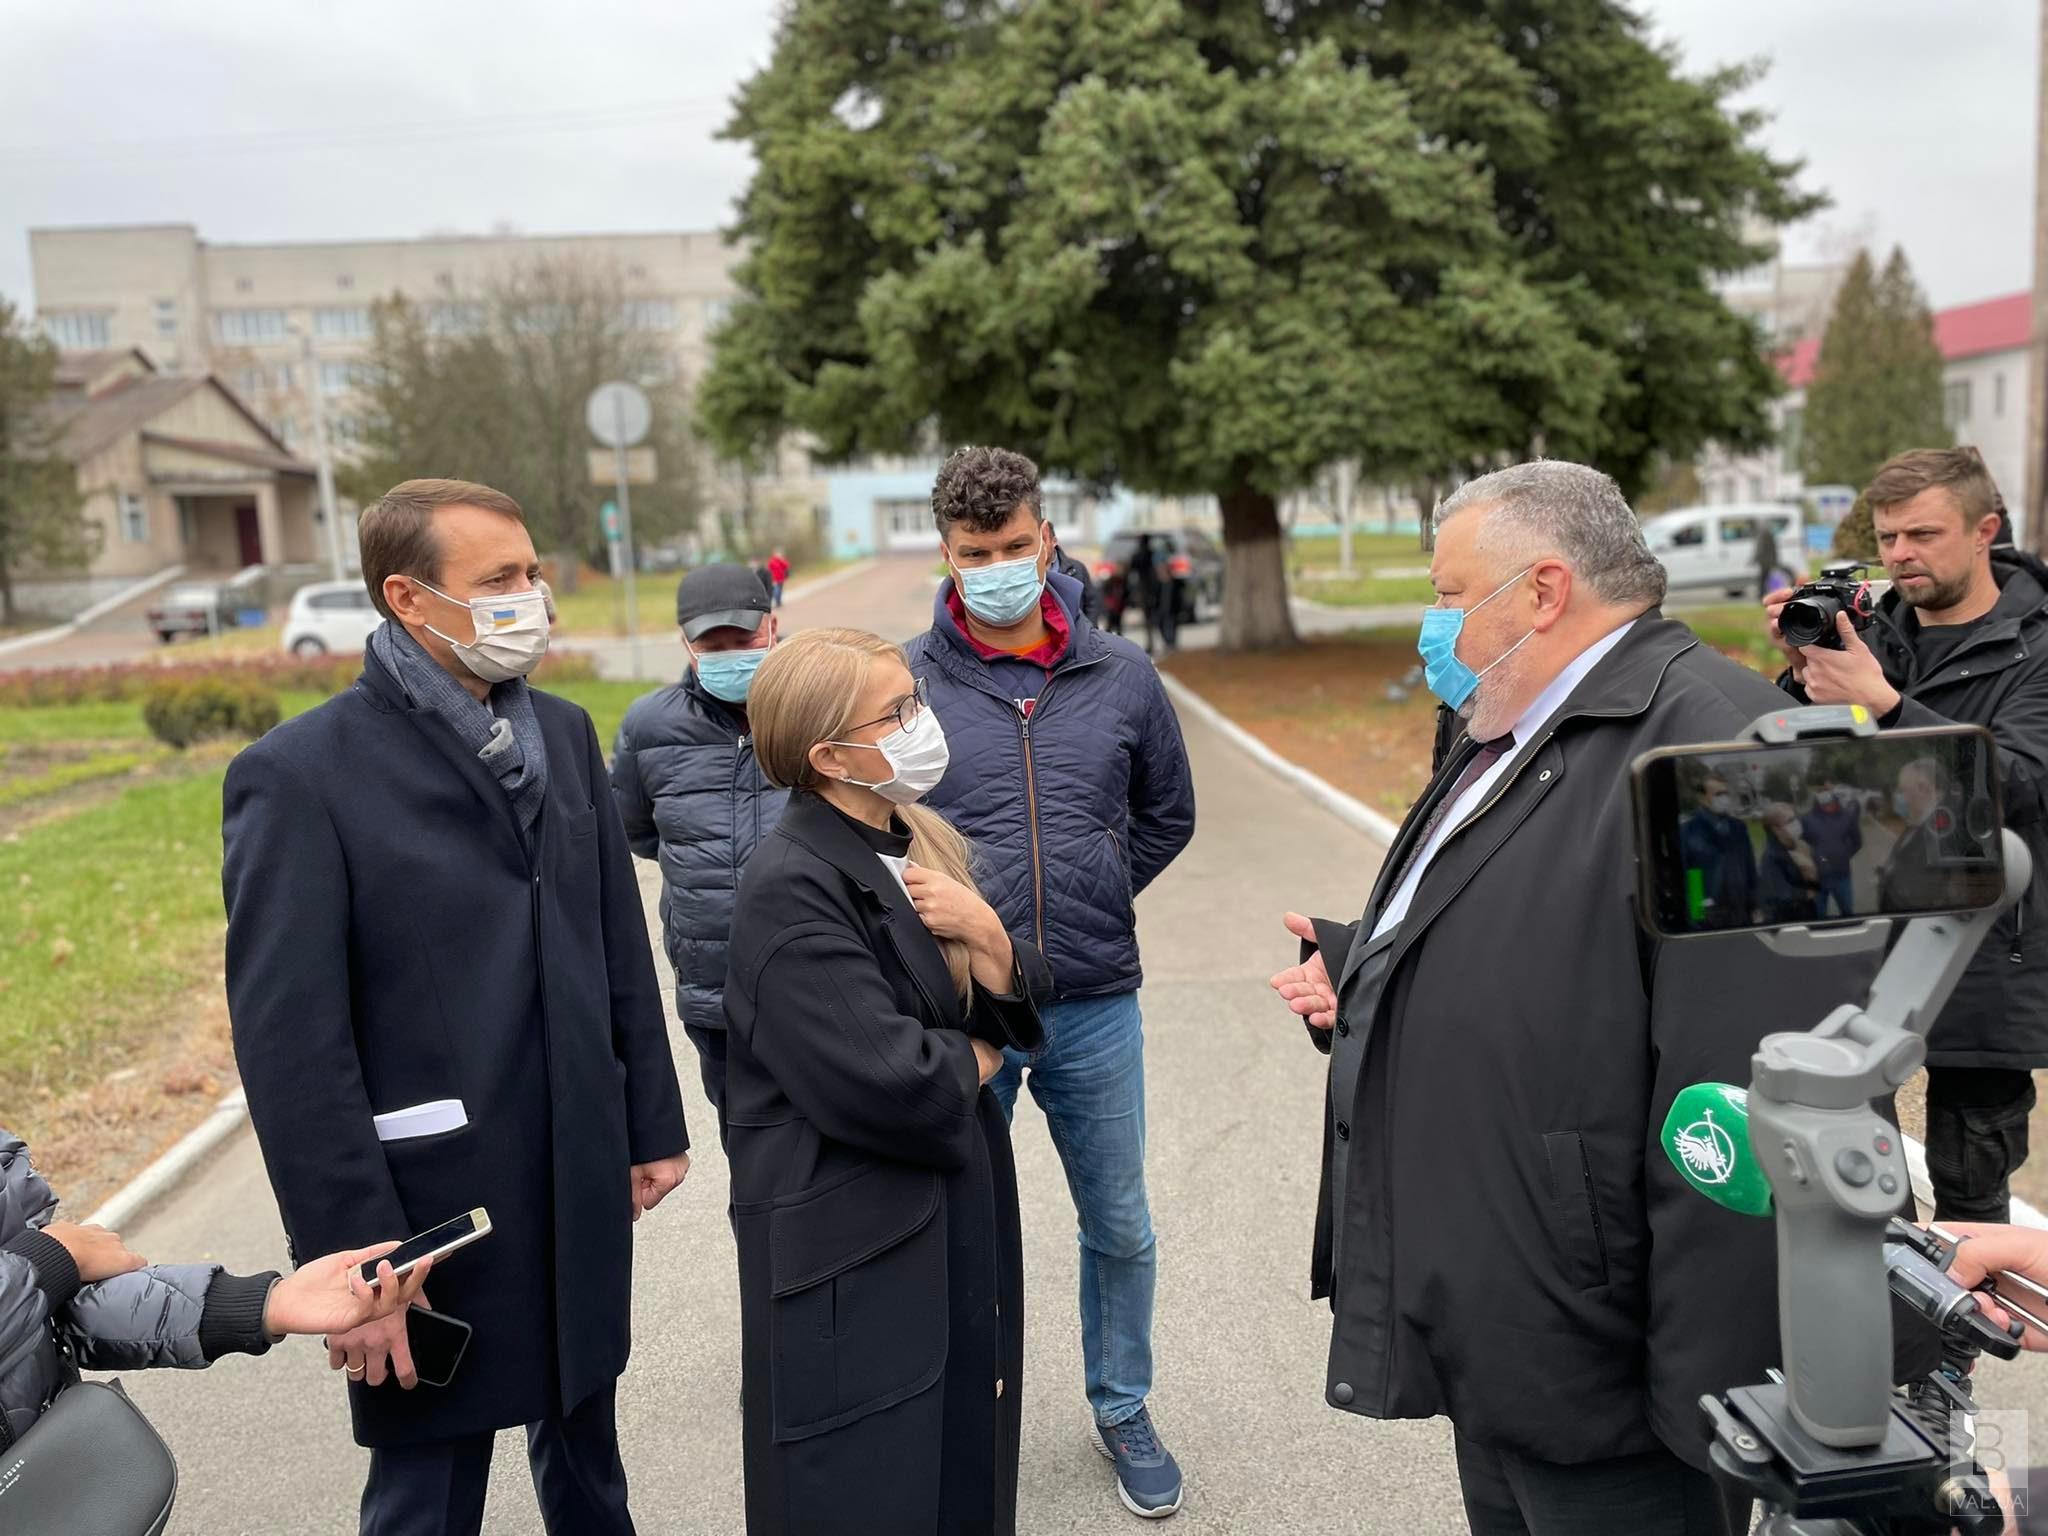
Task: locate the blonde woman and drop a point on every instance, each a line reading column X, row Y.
column 869, row 994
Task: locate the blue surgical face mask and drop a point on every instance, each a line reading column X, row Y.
column 1901, row 806
column 1004, row 592
column 1449, row 678
column 728, row 675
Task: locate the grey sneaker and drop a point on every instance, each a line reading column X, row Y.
column 1147, row 1476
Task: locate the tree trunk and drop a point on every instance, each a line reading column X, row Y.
column 1255, row 612
column 6, row 594
column 1347, row 492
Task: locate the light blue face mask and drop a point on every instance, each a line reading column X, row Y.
column 1449, row 678
column 728, row 675
column 1004, row 592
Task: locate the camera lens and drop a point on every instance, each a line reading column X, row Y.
column 1808, row 620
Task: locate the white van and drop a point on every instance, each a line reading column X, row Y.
column 1704, row 547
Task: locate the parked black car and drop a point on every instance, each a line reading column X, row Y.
column 1188, row 557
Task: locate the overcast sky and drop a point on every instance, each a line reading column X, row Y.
column 260, row 121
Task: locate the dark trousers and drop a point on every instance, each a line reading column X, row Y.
column 1651, row 1494
column 710, row 1045
column 1976, row 1139
column 437, row 1489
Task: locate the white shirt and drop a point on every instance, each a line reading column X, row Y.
column 1527, row 731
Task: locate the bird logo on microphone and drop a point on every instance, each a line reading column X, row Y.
column 1708, row 1150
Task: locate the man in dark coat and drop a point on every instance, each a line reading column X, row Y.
column 1091, row 596
column 442, row 996
column 1834, row 831
column 692, row 796
column 1962, row 637
column 1069, row 774
column 1500, row 1235
column 1716, row 843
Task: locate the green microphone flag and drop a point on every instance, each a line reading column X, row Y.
column 1706, row 1136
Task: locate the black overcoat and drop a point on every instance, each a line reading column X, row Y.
column 392, row 941
column 875, row 1200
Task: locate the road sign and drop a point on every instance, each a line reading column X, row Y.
column 610, row 513
column 618, row 414
column 604, row 466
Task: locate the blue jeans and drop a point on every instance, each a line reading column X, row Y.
column 1089, row 1078
column 1836, row 887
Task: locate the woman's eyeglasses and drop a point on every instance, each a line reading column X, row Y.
column 907, row 710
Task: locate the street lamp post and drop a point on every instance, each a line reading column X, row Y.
column 323, row 455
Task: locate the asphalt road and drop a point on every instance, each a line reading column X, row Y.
column 1234, row 1099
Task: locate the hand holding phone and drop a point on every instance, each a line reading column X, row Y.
column 435, row 1243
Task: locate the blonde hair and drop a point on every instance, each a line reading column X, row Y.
column 806, row 693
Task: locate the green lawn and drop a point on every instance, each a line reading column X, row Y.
column 106, row 917
column 1313, row 563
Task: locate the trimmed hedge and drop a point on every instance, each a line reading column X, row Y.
column 205, row 708
column 280, row 673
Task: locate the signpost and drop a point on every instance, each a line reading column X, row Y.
column 618, row 416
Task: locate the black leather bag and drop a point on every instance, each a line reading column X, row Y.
column 92, row 1465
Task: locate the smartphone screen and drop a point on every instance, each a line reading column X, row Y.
column 466, row 1228
column 1901, row 824
column 437, row 1342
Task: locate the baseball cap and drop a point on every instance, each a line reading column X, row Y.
column 720, row 597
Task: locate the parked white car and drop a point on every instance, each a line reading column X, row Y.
column 329, row 618
column 1716, row 546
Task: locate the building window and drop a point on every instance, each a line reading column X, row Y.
column 342, row 324
column 283, row 379
column 1998, row 394
column 287, row 430
column 167, row 317
column 347, row 430
column 1955, row 402
column 234, row 326
column 1756, row 487
column 648, row 315
column 79, row 330
column 455, row 319
column 339, row 378
column 246, row 382
column 134, row 518
column 715, row 311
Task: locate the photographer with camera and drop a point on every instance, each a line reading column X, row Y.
column 1961, row 637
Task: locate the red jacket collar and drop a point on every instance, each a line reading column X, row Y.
column 1059, row 631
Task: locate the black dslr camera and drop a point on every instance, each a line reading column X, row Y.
column 1808, row 617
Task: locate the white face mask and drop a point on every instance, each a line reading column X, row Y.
column 511, row 633
column 917, row 760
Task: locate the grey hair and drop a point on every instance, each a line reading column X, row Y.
column 1553, row 507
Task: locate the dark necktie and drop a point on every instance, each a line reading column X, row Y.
column 1489, row 753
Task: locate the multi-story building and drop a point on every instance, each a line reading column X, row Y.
column 278, row 322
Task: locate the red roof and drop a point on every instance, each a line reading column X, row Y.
column 1968, row 330
column 1995, row 325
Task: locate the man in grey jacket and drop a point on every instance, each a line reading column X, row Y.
column 114, row 1313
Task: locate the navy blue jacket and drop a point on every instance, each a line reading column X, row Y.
column 392, row 941
column 692, row 796
column 1074, row 806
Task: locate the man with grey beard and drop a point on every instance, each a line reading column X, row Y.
column 1500, row 1237
column 1961, row 638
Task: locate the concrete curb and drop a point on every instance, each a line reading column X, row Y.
column 1334, row 800
column 108, row 605
column 164, row 1175
column 1348, row 808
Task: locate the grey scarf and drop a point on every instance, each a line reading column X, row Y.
column 505, row 734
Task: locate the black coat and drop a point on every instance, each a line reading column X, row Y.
column 875, row 1200
column 1510, row 1245
column 692, row 796
column 1998, row 1014
column 390, row 942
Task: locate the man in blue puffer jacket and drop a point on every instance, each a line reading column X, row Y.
column 1069, row 774
column 691, row 795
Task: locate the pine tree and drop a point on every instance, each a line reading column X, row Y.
column 1877, row 388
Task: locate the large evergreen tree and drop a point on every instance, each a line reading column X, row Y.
column 40, row 525
column 1876, row 390
column 1216, row 245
